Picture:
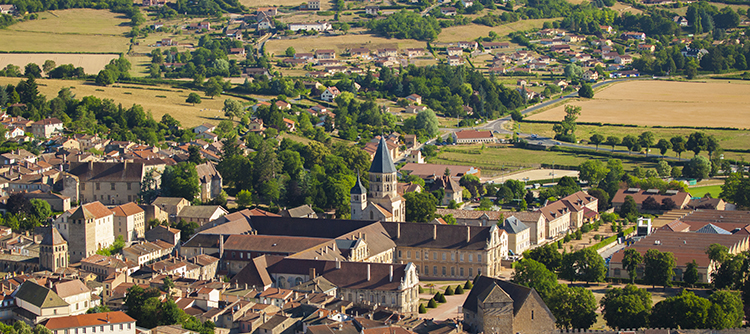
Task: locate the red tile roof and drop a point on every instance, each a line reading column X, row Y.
column 87, row 320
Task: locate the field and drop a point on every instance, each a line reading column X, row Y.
column 339, row 43
column 472, row 31
column 91, row 64
column 665, row 103
column 701, row 191
column 172, row 103
column 683, row 10
column 494, row 160
column 72, row 30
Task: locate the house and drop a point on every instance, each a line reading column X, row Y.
column 453, row 192
column 679, row 198
column 37, row 303
column 646, row 47
column 455, row 61
column 211, row 181
column 471, row 45
column 448, row 11
column 205, row 127
column 590, row 75
column 317, row 26
column 302, row 211
column 625, row 74
column 269, row 11
column 103, row 266
column 707, row 202
column 237, row 51
column 454, row 51
column 283, row 105
column 519, row 238
column 634, row 35
column 330, row 94
column 623, row 60
column 130, row 222
column 467, row 3
column 171, row 205
column 499, row 306
column 8, row 9
column 473, row 136
column 164, row 233
column 266, row 24
column 680, row 20
column 325, row 54
column 414, row 109
column 148, row 252
column 313, row 5
column 290, row 124
column 107, row 323
column 372, row 10
column 387, row 52
column 113, row 183
column 76, row 294
column 415, row 52
column 607, row 29
column 46, row 127
column 201, row 214
column 693, row 53
column 414, row 98
column 363, row 53
column 415, row 156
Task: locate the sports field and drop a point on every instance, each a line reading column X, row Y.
column 70, row 30
column 158, row 102
column 666, row 103
column 701, row 191
column 91, row 63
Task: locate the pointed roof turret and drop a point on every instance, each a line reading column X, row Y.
column 52, row 237
column 382, row 163
column 358, row 189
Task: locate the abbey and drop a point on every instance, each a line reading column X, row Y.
column 382, row 202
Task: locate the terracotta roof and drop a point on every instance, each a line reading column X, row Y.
column 48, row 121
column 473, row 134
column 88, row 320
column 639, row 196
column 271, row 243
column 94, row 210
column 70, row 288
column 127, row 209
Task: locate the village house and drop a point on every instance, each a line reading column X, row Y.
column 623, row 60
column 108, row 323
column 590, row 75
column 130, row 222
column 412, row 52
column 454, row 51
column 646, row 47
column 372, row 10
column 325, row 54
column 46, row 127
column 317, row 26
column 330, row 94
column 387, row 52
column 363, row 53
column 455, row 61
column 448, row 11
column 473, row 136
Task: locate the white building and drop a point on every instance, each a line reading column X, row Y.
column 76, row 294
column 100, row 323
column 317, row 26
column 130, row 222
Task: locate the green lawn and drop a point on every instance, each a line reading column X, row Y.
column 700, row 191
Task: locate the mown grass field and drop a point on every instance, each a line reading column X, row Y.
column 666, row 103
column 701, row 191
column 91, row 63
column 340, row 43
column 472, row 31
column 172, row 102
column 71, row 30
column 492, row 160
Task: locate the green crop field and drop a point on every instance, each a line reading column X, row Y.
column 701, row 191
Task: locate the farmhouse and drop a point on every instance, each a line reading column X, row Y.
column 454, row 51
column 363, row 53
column 634, row 35
column 455, row 61
column 8, row 9
column 473, row 136
column 623, row 60
column 680, row 199
column 468, row 45
column 372, row 10
column 325, row 54
column 416, row 52
column 317, row 26
column 448, row 11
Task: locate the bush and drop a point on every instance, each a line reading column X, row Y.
column 422, row 309
column 459, row 289
column 449, row 291
column 421, row 289
column 439, row 297
column 468, row 285
column 432, row 303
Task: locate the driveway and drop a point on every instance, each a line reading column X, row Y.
column 447, row 310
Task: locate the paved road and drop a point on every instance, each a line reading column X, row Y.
column 607, row 252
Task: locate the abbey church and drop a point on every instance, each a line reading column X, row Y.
column 382, row 202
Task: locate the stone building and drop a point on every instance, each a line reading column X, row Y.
column 382, row 201
column 113, row 183
column 497, row 306
column 130, row 222
column 211, row 181
column 449, row 251
column 53, row 252
column 90, row 229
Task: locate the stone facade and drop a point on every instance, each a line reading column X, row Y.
column 110, row 183
column 382, row 201
column 130, row 222
column 90, row 229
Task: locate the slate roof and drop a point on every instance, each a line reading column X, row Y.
column 496, row 289
column 447, row 236
column 38, row 295
column 317, row 284
column 382, row 162
column 513, row 225
column 305, row 227
column 52, row 237
column 358, row 188
column 107, row 171
column 351, row 275
column 271, row 243
column 712, row 229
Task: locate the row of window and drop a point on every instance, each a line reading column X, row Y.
column 111, row 186
column 417, row 255
column 93, row 329
column 453, row 271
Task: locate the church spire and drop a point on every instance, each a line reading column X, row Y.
column 358, row 189
column 382, row 163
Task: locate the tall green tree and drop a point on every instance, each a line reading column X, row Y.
column 596, row 139
column 420, row 206
column 685, row 310
column 181, row 180
column 629, row 307
column 631, row 259
column 691, row 273
column 658, row 267
column 572, row 307
column 535, row 275
column 727, row 310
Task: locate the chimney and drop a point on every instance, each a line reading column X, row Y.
column 390, row 277
column 368, row 272
column 221, row 245
column 338, row 264
column 312, row 273
column 398, row 230
column 468, row 234
column 434, row 232
column 245, row 286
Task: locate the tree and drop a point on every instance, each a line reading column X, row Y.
column 698, row 167
column 663, row 145
column 626, row 308
column 718, row 253
column 631, row 259
column 420, row 206
column 535, row 275
column 646, row 139
column 290, row 52
column 727, row 310
column 592, row 171
column 193, row 98
column 244, row 198
column 663, row 168
column 40, row 210
column 566, row 129
column 427, row 121
column 586, row 91
column 187, row 229
column 584, row 265
column 449, row 291
column 33, row 70
column 629, row 209
column 546, row 255
column 572, row 307
column 685, row 310
column 573, row 71
column 697, row 141
column 678, row 145
column 630, row 142
column 422, row 309
column 105, row 78
column 213, row 87
column 691, row 273
column 658, row 267
column 18, row 203
column 48, row 66
column 432, row 303
column 736, row 189
column 612, row 141
column 596, row 139
column 180, row 180
column 233, row 108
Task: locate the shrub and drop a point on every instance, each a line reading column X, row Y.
column 459, row 289
column 468, row 285
column 421, row 289
column 442, row 298
column 432, row 303
column 422, row 309
column 449, row 291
